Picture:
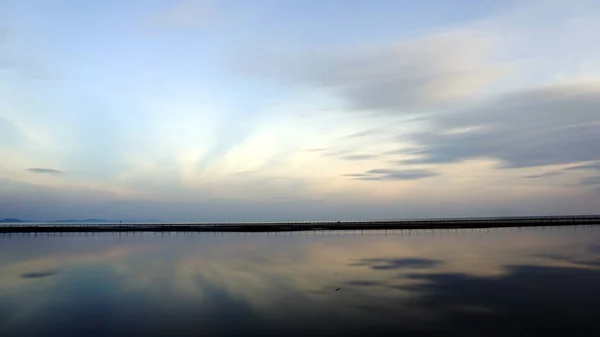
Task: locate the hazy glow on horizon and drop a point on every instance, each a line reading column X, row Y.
column 221, row 110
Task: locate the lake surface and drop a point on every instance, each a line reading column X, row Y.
column 496, row 282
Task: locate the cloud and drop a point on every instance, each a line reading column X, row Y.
column 39, row 274
column 398, row 263
column 232, row 131
column 544, row 175
column 536, row 127
column 582, row 167
column 389, row 174
column 368, row 133
column 185, row 14
column 585, row 167
column 359, row 156
column 590, row 181
column 44, row 171
column 450, row 293
column 418, row 74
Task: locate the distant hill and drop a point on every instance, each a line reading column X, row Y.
column 81, row 221
column 15, row 220
column 12, row 220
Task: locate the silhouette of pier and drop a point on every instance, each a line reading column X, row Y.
column 435, row 223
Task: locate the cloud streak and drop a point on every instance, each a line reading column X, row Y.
column 398, row 263
column 39, row 274
column 585, row 167
column 528, row 128
column 391, row 175
column 359, row 156
column 47, row 171
column 590, row 181
column 400, row 78
column 544, row 175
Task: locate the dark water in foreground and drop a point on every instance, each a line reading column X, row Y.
column 497, row 282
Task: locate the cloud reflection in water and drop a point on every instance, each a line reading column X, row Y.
column 507, row 281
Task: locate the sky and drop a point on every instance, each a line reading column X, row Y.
column 222, row 110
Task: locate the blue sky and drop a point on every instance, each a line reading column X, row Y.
column 228, row 110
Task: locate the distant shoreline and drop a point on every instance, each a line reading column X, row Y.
column 304, row 226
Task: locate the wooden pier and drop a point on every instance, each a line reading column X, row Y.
column 439, row 223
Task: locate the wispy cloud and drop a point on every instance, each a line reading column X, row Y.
column 544, row 175
column 39, row 274
column 401, row 78
column 368, row 133
column 585, row 167
column 231, row 132
column 590, row 181
column 398, row 263
column 359, row 157
column 524, row 129
column 44, row 171
column 391, row 174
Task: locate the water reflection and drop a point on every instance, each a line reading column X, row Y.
column 36, row 274
column 397, row 263
column 465, row 282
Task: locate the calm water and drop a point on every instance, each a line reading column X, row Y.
column 494, row 282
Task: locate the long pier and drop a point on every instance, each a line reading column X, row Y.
column 435, row 223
